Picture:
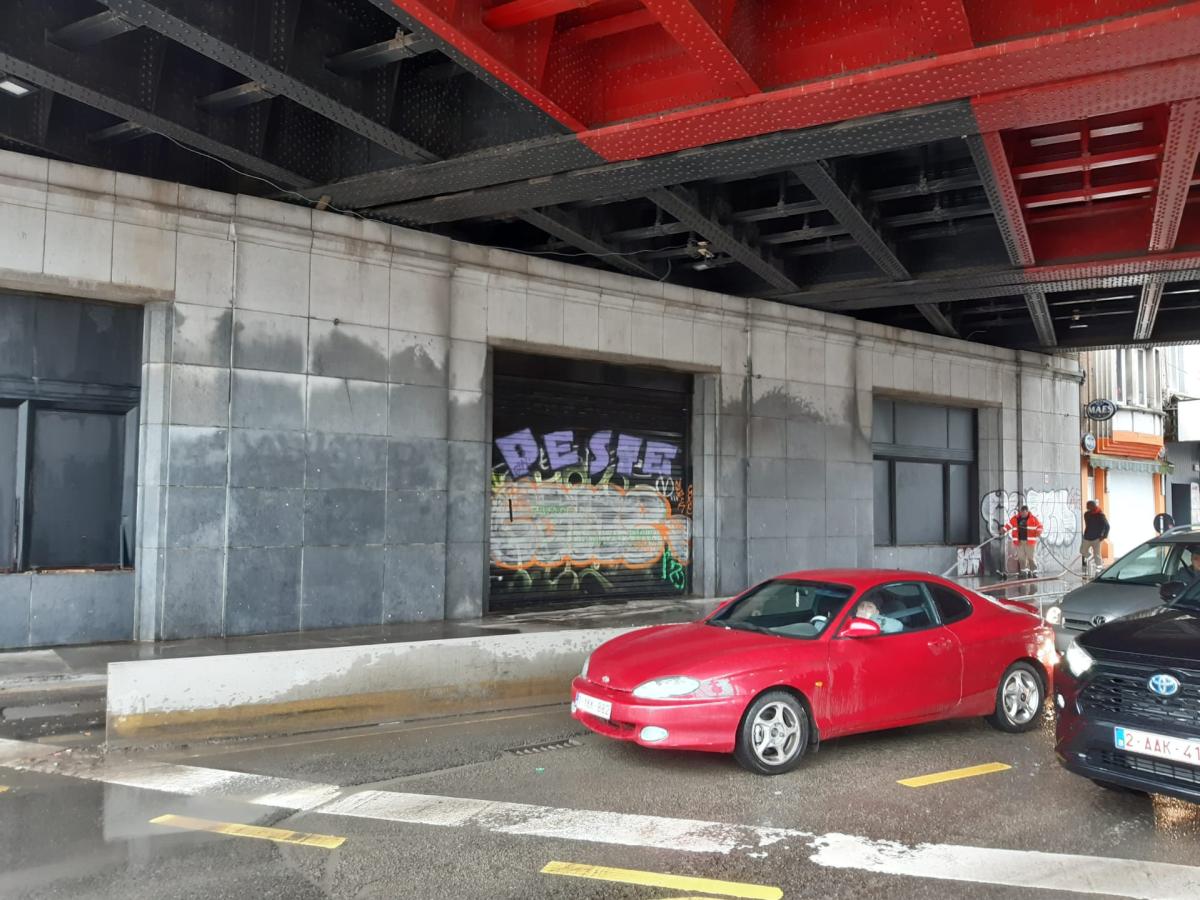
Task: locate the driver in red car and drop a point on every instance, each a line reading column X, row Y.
column 868, row 610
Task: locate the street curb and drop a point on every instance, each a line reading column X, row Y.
column 171, row 701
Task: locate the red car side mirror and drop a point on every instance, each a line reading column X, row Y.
column 860, row 628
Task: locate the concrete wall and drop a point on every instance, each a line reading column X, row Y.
column 315, row 424
column 39, row 609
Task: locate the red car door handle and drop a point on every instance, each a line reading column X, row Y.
column 942, row 644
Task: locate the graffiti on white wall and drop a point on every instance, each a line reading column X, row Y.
column 970, row 561
column 1059, row 511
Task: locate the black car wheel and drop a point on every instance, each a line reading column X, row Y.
column 773, row 735
column 1020, row 699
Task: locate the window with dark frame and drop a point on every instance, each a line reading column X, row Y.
column 70, row 375
column 925, row 474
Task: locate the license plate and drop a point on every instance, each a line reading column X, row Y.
column 1146, row 743
column 601, row 709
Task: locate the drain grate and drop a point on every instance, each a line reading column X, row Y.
column 542, row 748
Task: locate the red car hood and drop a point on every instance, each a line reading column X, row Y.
column 695, row 649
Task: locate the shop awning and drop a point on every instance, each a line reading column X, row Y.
column 1151, row 467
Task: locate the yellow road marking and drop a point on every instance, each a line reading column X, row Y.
column 3, row 788
column 663, row 880
column 953, row 775
column 233, row 829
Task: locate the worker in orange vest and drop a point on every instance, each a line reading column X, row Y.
column 1025, row 530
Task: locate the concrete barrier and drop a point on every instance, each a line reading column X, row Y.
column 291, row 691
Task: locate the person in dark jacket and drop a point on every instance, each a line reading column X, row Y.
column 1095, row 530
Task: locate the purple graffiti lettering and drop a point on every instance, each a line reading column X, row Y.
column 560, row 449
column 628, row 448
column 520, row 452
column 598, row 446
column 659, row 457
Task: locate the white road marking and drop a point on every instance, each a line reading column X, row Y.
column 1133, row 878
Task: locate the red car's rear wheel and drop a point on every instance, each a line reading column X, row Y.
column 773, row 735
column 1020, row 699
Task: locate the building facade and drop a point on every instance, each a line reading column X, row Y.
column 338, row 422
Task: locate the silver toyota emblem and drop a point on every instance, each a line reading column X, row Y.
column 1098, row 620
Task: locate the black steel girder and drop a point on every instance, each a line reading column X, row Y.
column 377, row 55
column 104, row 81
column 559, row 170
column 201, row 25
column 569, row 229
column 1148, row 306
column 727, row 237
column 90, row 31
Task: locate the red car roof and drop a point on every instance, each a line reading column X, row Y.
column 861, row 578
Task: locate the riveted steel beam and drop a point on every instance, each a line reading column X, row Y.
column 728, row 238
column 1177, row 174
column 569, row 229
column 477, row 193
column 82, row 80
column 121, row 133
column 1039, row 311
column 88, row 32
column 992, row 162
column 934, row 316
column 1148, row 306
column 340, row 103
column 691, row 31
column 376, row 56
column 235, row 98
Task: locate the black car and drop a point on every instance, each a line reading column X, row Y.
column 1128, row 698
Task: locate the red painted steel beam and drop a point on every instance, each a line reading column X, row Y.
column 684, row 23
column 1177, row 175
column 522, row 12
column 947, row 23
column 602, row 28
column 1086, row 161
column 1143, row 186
column 1146, row 39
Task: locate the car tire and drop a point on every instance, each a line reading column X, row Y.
column 1020, row 699
column 773, row 736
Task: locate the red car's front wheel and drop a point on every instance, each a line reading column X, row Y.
column 773, row 735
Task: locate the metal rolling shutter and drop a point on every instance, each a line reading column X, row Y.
column 591, row 482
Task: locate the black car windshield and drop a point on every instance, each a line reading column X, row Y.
column 797, row 609
column 1152, row 563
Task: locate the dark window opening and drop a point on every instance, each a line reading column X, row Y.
column 924, row 474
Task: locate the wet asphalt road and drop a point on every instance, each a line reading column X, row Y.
column 65, row 837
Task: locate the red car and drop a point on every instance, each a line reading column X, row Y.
column 816, row 655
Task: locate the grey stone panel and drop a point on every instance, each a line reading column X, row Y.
column 343, row 517
column 771, row 399
column 469, row 465
column 269, row 459
column 466, row 570
column 271, row 342
column 201, row 335
column 417, row 465
column 849, row 480
column 806, row 518
column 805, row 439
column 263, row 594
column 767, row 557
column 731, row 518
column 150, row 579
column 271, row 400
column 732, row 435
column 156, row 334
column 14, row 610
column 417, row 411
column 731, row 563
column 153, row 443
column 416, row 517
column 806, row 553
column 198, row 456
column 195, row 517
column 342, row 586
column 767, row 518
column 841, row 519
column 843, row 552
column 193, row 584
column 347, row 407
column 418, row 359
column 414, row 583
column 731, row 476
column 767, row 437
column 468, row 415
column 199, row 395
column 346, row 461
column 466, row 516
column 81, row 609
column 767, row 478
column 347, row 351
column 806, row 479
column 266, row 518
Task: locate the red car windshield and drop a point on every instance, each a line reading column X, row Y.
column 796, row 609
